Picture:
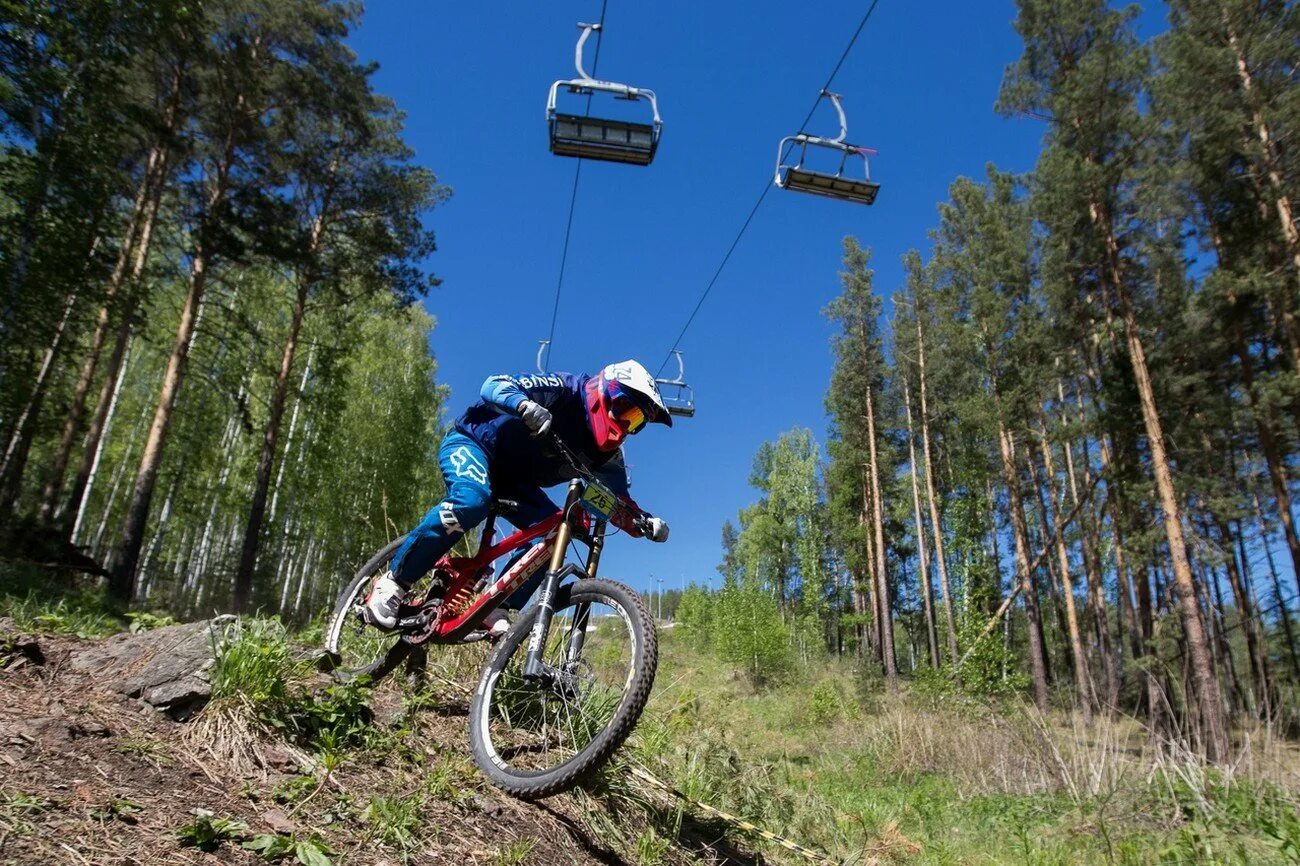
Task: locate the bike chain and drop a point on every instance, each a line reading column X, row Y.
column 806, row 853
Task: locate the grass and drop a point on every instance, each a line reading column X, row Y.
column 824, row 757
column 831, row 762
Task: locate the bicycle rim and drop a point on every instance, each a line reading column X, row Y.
column 357, row 648
column 590, row 700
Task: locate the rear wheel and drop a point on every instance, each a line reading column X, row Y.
column 535, row 738
column 353, row 646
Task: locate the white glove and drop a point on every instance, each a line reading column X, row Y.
column 536, row 416
column 657, row 529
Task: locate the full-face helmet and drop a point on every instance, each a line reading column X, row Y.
column 621, row 400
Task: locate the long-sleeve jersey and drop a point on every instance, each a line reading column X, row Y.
column 515, row 456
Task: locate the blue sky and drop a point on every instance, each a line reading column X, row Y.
column 732, row 79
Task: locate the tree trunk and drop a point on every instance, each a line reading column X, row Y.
column 1214, row 732
column 1279, row 599
column 1082, row 677
column 14, row 461
column 122, row 582
column 1037, row 652
column 86, row 478
column 935, row 525
column 1272, row 170
column 265, row 462
column 293, row 425
column 932, row 642
column 126, row 271
column 1273, row 459
column 1090, row 545
column 868, row 508
column 1236, row 698
column 1246, row 616
column 882, row 577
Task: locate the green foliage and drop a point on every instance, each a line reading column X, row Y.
column 650, row 848
column 119, row 809
column 311, row 851
column 395, row 819
column 257, row 667
column 748, row 632
column 514, row 854
column 695, row 614
column 144, row 621
column 36, row 604
column 206, row 832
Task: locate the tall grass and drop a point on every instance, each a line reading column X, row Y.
column 831, row 761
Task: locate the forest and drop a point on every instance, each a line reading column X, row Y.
column 1059, row 461
column 1063, row 461
column 211, row 236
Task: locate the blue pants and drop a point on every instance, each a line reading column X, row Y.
column 466, row 471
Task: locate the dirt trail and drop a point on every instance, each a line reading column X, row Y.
column 90, row 775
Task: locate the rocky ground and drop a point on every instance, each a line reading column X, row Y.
column 99, row 764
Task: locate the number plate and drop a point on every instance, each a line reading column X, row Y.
column 599, row 502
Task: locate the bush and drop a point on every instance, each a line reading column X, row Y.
column 749, row 633
column 695, row 614
column 257, row 668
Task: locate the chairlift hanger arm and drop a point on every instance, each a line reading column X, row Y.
column 587, row 30
column 584, row 82
column 681, row 404
column 681, row 371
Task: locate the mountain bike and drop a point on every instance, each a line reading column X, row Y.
column 566, row 684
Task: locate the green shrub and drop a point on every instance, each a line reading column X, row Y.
column 695, row 614
column 257, row 668
column 395, row 820
column 206, row 832
column 749, row 633
column 826, row 704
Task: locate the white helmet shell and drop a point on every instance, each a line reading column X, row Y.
column 630, row 374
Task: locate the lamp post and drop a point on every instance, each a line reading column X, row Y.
column 661, row 598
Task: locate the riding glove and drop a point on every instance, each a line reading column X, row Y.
column 536, row 416
column 657, row 529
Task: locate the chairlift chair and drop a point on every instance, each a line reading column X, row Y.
column 681, row 400
column 796, row 177
column 599, row 138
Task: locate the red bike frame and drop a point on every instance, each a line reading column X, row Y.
column 453, row 624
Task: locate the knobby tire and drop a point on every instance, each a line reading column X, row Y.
column 532, row 785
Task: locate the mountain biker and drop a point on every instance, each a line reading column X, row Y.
column 499, row 447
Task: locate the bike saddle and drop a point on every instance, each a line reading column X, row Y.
column 503, row 506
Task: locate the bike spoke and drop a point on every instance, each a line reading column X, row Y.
column 536, row 726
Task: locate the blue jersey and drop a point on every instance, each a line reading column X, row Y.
column 517, row 457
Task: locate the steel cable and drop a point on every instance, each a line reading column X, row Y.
column 766, row 187
column 573, row 198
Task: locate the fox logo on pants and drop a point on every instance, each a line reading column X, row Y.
column 466, row 465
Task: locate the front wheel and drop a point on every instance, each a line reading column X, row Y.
column 537, row 737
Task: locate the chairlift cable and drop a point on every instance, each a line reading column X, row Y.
column 573, row 198
column 766, row 187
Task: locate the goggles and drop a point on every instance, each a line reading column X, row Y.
column 626, row 410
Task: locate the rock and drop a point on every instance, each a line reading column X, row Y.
column 46, row 730
column 180, row 698
column 277, row 758
column 166, row 667
column 88, row 727
column 490, row 808
column 17, row 648
column 279, row 822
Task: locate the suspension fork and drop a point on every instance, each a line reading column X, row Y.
column 533, row 667
column 582, row 612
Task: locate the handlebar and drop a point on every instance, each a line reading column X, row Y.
column 640, row 519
